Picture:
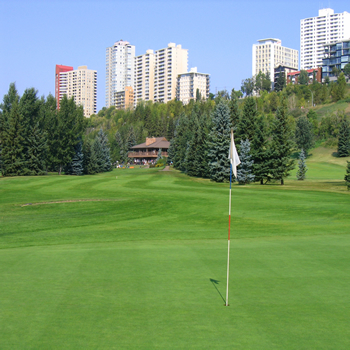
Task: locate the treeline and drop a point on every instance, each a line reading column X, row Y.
column 36, row 138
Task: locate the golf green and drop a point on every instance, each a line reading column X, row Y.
column 136, row 259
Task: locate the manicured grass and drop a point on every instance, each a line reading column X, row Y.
column 136, row 259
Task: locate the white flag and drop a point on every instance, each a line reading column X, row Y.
column 233, row 155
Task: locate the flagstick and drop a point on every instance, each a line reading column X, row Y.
column 228, row 244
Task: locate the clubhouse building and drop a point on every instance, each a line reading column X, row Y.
column 148, row 150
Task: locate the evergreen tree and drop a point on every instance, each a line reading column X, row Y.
column 281, row 82
column 198, row 96
column 260, row 151
column 347, row 176
column 29, row 107
column 246, row 125
column 76, row 167
column 182, row 136
column 9, row 100
column 12, row 144
column 67, row 130
column 304, row 135
column 344, row 138
column 102, row 152
column 36, row 151
column 234, row 110
column 302, row 166
column 281, row 146
column 219, row 144
column 244, row 171
column 122, row 146
column 200, row 163
column 89, row 159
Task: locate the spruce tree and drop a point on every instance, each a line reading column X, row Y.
column 200, row 166
column 246, row 125
column 36, row 154
column 102, row 151
column 260, row 151
column 69, row 126
column 12, row 144
column 281, row 146
column 234, row 110
column 89, row 160
column 244, row 171
column 302, row 166
column 347, row 176
column 182, row 135
column 9, row 100
column 122, row 146
column 344, row 138
column 219, row 143
column 76, row 167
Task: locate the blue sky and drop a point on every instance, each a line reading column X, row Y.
column 35, row 35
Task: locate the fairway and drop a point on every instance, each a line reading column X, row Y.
column 136, row 259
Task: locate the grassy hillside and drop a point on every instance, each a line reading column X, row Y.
column 136, row 259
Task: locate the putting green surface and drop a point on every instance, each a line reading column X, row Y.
column 136, row 259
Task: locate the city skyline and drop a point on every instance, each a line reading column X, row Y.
column 37, row 35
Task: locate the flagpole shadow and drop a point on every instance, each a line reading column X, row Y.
column 215, row 282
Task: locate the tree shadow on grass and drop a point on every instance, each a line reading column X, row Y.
column 215, row 282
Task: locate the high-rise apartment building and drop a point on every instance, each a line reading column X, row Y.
column 144, row 77
column 119, row 69
column 189, row 83
column 169, row 63
column 269, row 54
column 81, row 84
column 60, row 80
column 124, row 99
column 315, row 32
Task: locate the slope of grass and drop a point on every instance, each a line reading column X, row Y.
column 136, row 259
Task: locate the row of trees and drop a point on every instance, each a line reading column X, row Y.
column 36, row 138
column 201, row 143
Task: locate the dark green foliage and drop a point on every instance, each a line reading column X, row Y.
column 344, row 138
column 12, row 144
column 246, row 124
column 76, row 167
column 9, row 100
column 347, row 175
column 280, row 82
column 219, row 144
column 36, row 154
column 260, row 151
column 68, row 128
column 304, row 136
column 302, row 166
column 244, row 171
column 90, row 159
column 281, row 146
column 234, row 110
column 198, row 95
column 183, row 135
column 102, row 152
column 196, row 154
